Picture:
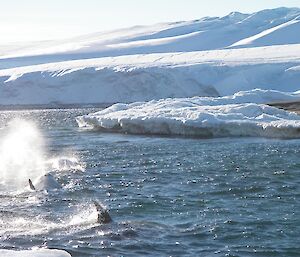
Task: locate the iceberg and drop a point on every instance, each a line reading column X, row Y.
column 34, row 253
column 242, row 114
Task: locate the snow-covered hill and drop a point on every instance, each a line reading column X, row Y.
column 211, row 56
column 283, row 34
column 153, row 76
column 264, row 28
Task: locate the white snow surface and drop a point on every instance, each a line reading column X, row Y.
column 286, row 33
column 153, row 76
column 208, row 33
column 34, row 253
column 228, row 116
column 212, row 56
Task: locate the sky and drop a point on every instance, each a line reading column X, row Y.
column 36, row 20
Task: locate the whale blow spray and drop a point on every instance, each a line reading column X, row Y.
column 21, row 153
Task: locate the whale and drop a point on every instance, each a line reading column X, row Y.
column 103, row 215
column 48, row 182
column 44, row 182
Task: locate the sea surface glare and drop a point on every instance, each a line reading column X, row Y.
column 166, row 196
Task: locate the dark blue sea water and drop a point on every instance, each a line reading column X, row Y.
column 166, row 196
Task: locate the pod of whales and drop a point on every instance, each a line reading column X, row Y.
column 48, row 182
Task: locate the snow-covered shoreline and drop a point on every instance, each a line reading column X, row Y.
column 154, row 76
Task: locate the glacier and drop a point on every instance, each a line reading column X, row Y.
column 212, row 56
column 153, row 76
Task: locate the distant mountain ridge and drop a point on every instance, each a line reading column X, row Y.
column 279, row 26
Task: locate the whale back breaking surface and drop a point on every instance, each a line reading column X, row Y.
column 103, row 215
column 45, row 182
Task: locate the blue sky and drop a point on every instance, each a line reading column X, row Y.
column 30, row 20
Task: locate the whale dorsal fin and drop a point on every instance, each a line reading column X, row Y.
column 31, row 185
column 103, row 215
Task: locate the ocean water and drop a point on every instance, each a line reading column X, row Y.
column 166, row 196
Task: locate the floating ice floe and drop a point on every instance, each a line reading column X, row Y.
column 239, row 115
column 34, row 253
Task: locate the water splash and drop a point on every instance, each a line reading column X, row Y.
column 68, row 162
column 22, row 153
column 85, row 215
column 75, row 219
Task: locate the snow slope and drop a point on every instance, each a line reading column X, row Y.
column 153, row 76
column 200, row 117
column 208, row 33
column 283, row 34
column 212, row 56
